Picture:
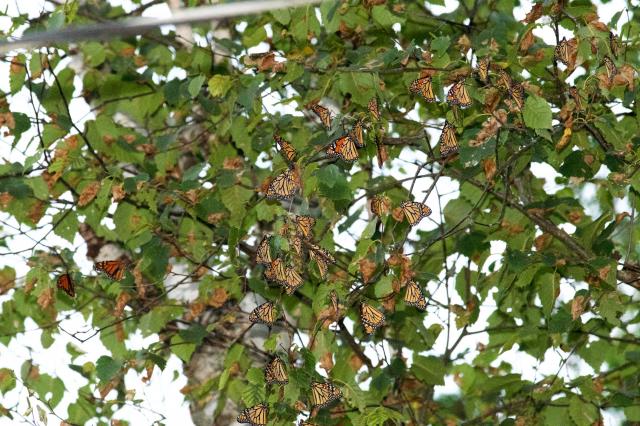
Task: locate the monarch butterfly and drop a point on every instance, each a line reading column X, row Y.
column 573, row 91
column 323, row 113
column 264, row 314
column 285, row 276
column 286, row 149
column 373, row 108
column 263, row 254
column 304, row 225
column 423, row 86
column 381, row 152
column 65, row 283
column 323, row 394
column 114, row 269
column 414, row 296
column 482, row 69
column 284, row 186
column 379, row 205
column 255, row 416
column 504, row 79
column 448, row 140
column 414, row 211
column 614, row 44
column 517, row 94
column 322, row 258
column 371, row 318
column 357, row 134
column 458, row 95
column 612, row 70
column 296, row 243
column 343, row 147
column 562, row 51
column 275, row 372
column 335, row 303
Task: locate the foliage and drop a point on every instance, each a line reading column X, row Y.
column 173, row 161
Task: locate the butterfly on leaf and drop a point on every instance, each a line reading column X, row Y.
column 304, row 226
column 344, row 147
column 323, row 113
column 504, row 79
column 458, row 95
column 284, row 186
column 373, row 108
column 611, row 68
column 423, row 86
column 448, row 140
column 357, row 134
column 296, row 244
column 371, row 318
column 264, row 314
column 379, row 205
column 255, row 416
column 323, row 394
column 275, row 373
column 516, row 91
column 65, row 283
column 414, row 211
column 286, row 149
column 322, row 258
column 614, row 44
column 562, row 52
column 114, row 269
column 263, row 254
column 414, row 296
column 482, row 69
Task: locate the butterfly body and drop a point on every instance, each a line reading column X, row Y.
column 448, row 140
column 482, row 69
column 344, row 147
column 562, row 52
column 65, row 283
column 323, row 394
column 414, row 296
column 263, row 253
column 286, row 149
column 114, row 269
column 275, row 372
column 371, row 318
column 304, row 226
column 264, row 314
column 323, row 114
column 458, row 95
column 284, row 186
column 254, row 416
column 415, row 211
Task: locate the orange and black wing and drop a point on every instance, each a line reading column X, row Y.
column 357, row 134
column 414, row 296
column 323, row 113
column 323, row 394
column 344, row 147
column 414, row 211
column 423, row 86
column 458, row 95
column 254, row 416
column 275, row 372
column 562, row 51
column 614, row 44
column 304, row 226
column 322, row 258
column 482, row 69
column 371, row 318
column 292, row 280
column 504, row 79
column 114, row 269
column 264, row 314
column 263, row 254
column 65, row 283
column 448, row 140
column 517, row 94
column 379, row 205
column 373, row 108
column 611, row 68
column 573, row 91
column 284, row 186
column 286, row 149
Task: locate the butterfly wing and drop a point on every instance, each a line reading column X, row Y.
column 292, row 280
column 504, row 79
column 357, row 134
column 561, row 51
column 373, row 108
column 323, row 113
column 322, row 258
column 371, row 318
column 263, row 254
column 65, row 283
column 284, row 186
column 614, row 44
column 114, row 269
column 424, row 87
column 611, row 68
column 275, row 373
column 483, row 69
column 414, row 296
column 304, row 225
column 323, row 394
column 448, row 140
column 264, row 314
column 517, row 94
column 379, row 205
column 414, row 211
column 286, row 149
column 458, row 95
column 344, row 147
column 255, row 416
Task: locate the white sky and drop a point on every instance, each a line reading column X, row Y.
column 161, row 394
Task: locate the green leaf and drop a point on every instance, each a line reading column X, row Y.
column 537, row 113
column 7, row 380
column 384, row 17
column 582, row 413
column 219, row 85
column 107, row 367
column 548, row 285
column 195, row 84
column 429, row 369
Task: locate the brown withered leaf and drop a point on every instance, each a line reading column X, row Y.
column 619, row 217
column 232, row 163
column 625, row 77
column 464, row 43
column 367, row 269
column 117, row 192
column 534, row 14
column 542, row 241
column 578, row 305
column 326, row 361
column 489, row 128
column 46, row 298
column 137, row 278
column 121, row 303
column 489, row 166
column 397, row 214
column 88, row 193
column 355, row 362
column 527, row 41
column 564, row 140
column 218, row 298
